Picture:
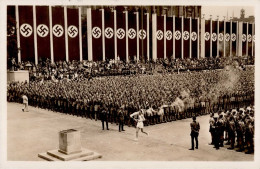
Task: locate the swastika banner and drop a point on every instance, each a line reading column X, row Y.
column 169, row 37
column 250, row 39
column 109, row 35
column 186, row 38
column 214, row 37
column 221, row 38
column 178, row 37
column 234, row 38
column 97, row 35
column 142, row 37
column 73, row 33
column 227, row 39
column 244, row 38
column 43, row 32
column 253, row 39
column 160, row 37
column 194, row 38
column 132, row 34
column 207, row 38
column 58, row 32
column 121, row 34
column 26, row 33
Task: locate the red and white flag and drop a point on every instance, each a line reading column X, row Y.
column 25, row 19
column 43, row 33
column 58, row 33
column 73, row 33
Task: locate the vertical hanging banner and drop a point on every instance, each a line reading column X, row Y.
column 109, row 35
column 214, row 37
column 244, row 38
column 186, row 38
column 169, row 37
column 234, row 38
column 132, row 35
column 207, row 38
column 194, row 38
column 227, row 39
column 73, row 33
column 221, row 38
column 160, row 37
column 143, row 37
column 249, row 39
column 26, row 33
column 96, row 17
column 120, row 33
column 58, row 31
column 178, row 37
column 43, row 32
column 253, row 39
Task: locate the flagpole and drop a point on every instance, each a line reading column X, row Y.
column 89, row 34
column 217, row 36
column 173, row 36
column 190, row 38
column 137, row 35
column 103, row 35
column 66, row 32
column 80, row 35
column 18, row 32
column 35, row 36
column 210, row 36
column 253, row 26
column 182, row 37
column 51, row 34
column 126, row 35
column 198, row 39
column 154, row 24
column 247, row 39
column 115, row 34
column 230, row 49
column 224, row 38
column 164, row 39
column 147, row 40
column 236, row 38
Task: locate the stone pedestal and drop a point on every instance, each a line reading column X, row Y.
column 69, row 141
column 69, row 149
column 18, row 76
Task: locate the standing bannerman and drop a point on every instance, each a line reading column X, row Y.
column 195, row 128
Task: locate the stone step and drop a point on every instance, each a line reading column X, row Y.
column 66, row 157
column 90, row 157
column 48, row 157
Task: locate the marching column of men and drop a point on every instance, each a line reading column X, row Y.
column 119, row 114
column 235, row 126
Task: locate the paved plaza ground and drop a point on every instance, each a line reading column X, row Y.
column 36, row 131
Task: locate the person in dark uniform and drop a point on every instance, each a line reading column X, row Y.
column 216, row 133
column 121, row 119
column 231, row 132
column 195, row 128
column 104, row 117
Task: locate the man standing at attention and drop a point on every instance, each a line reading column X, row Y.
column 195, row 128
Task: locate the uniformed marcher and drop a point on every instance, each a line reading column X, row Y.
column 211, row 123
column 195, row 128
column 104, row 116
column 121, row 119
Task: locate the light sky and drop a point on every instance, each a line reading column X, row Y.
column 225, row 10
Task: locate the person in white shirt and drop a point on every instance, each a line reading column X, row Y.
column 139, row 120
column 25, row 103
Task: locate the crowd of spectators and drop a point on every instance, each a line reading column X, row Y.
column 86, row 69
column 205, row 92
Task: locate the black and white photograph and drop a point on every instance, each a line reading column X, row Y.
column 129, row 84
